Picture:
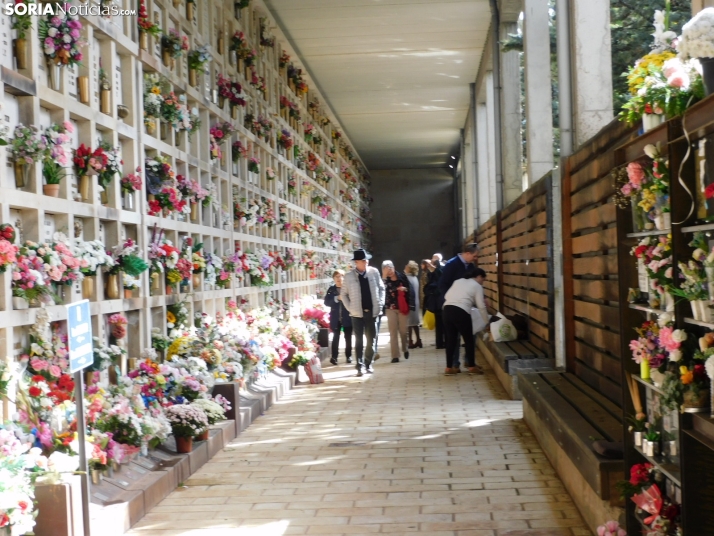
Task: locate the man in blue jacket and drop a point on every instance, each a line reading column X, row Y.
column 454, row 269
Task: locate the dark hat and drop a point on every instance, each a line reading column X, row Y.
column 360, row 255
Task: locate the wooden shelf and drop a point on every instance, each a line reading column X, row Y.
column 696, row 228
column 646, row 309
column 648, row 384
column 670, row 470
column 709, row 325
column 654, row 232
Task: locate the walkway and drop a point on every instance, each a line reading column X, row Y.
column 403, row 451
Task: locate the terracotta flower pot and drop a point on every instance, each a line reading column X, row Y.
column 51, row 189
column 128, row 293
column 184, row 445
column 203, row 436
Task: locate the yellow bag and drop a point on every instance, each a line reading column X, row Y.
column 429, row 321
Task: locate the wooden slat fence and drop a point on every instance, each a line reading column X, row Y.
column 590, row 236
column 488, row 237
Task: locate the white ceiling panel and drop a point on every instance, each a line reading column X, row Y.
column 395, row 72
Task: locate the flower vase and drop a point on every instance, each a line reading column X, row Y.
column 196, row 281
column 645, row 369
column 54, row 71
column 650, row 121
column 650, row 448
column 155, row 283
column 667, row 303
column 105, row 101
column 192, row 73
column 144, row 40
column 19, row 303
column 203, row 436
column 695, row 309
column 96, row 476
column 234, row 112
column 84, row 188
column 113, row 286
column 190, row 11
column 51, row 190
column 710, row 281
column 104, row 197
column 22, row 173
column 166, row 57
column 150, row 127
column 637, row 438
column 128, row 201
column 108, row 472
column 128, row 293
column 20, row 52
column 88, row 287
column 696, row 402
column 184, row 445
column 83, row 89
column 164, row 130
column 169, row 289
column 705, row 312
column 194, row 212
column 708, row 74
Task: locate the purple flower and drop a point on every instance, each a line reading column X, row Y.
column 74, row 33
column 55, row 21
column 49, row 42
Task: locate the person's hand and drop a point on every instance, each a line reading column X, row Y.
column 337, row 298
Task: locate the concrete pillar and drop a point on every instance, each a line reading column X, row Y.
column 539, row 97
column 591, row 67
column 493, row 186
column 484, row 178
column 511, row 123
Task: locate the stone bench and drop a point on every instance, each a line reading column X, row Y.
column 567, row 417
column 507, row 359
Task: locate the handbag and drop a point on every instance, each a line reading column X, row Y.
column 429, row 320
column 314, row 370
column 402, row 302
column 477, row 321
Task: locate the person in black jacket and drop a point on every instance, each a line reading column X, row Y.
column 339, row 318
column 432, row 301
column 454, row 269
column 396, row 284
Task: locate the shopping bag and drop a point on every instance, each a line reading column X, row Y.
column 402, row 302
column 314, row 370
column 429, row 320
column 477, row 321
column 502, row 330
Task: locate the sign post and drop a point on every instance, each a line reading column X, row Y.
column 81, row 355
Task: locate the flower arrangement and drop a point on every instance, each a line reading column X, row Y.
column 93, row 255
column 697, row 39
column 153, row 100
column 222, row 131
column 199, row 57
column 117, row 324
column 230, row 90
column 21, row 23
column 660, row 82
column 611, row 528
column 144, row 22
column 269, row 173
column 175, row 43
column 292, row 184
column 28, row 144
column 238, row 42
column 254, row 164
column 132, row 182
column 61, row 37
column 88, row 162
column 127, row 260
column 214, row 411
column 283, row 60
column 266, row 40
column 656, row 253
column 186, row 420
column 56, row 156
column 238, row 151
column 285, row 140
column 112, row 167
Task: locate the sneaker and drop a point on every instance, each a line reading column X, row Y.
column 449, row 372
column 370, row 369
column 333, row 361
column 360, row 373
column 475, row 370
column 406, row 355
column 349, row 360
column 395, row 360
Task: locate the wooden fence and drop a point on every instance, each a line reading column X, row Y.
column 488, row 237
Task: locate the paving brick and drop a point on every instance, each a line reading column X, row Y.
column 412, row 452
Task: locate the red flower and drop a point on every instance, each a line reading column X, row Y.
column 66, row 383
column 34, row 391
column 37, row 378
column 4, row 520
column 640, row 473
column 709, row 191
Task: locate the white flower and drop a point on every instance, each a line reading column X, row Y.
column 664, row 319
column 675, row 355
column 652, row 151
column 709, row 365
column 679, row 335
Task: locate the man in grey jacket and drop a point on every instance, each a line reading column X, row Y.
column 363, row 296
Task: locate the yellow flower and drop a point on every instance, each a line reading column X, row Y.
column 637, row 75
column 176, row 346
column 155, row 90
column 160, row 379
column 170, row 317
column 649, row 199
column 687, row 375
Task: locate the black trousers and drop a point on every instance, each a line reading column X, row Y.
column 364, row 328
column 457, row 324
column 439, row 329
column 336, row 341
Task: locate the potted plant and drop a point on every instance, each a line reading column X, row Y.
column 239, row 5
column 187, row 422
column 27, row 147
column 22, row 24
column 198, row 59
column 29, row 282
column 62, row 39
column 254, row 165
column 86, row 164
column 127, row 261
column 129, row 184
column 638, row 427
column 199, row 267
column 111, row 169
column 130, row 284
column 650, row 443
column 214, row 413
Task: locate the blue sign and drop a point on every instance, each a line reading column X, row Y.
column 79, row 334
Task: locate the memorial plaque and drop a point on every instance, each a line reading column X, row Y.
column 6, row 58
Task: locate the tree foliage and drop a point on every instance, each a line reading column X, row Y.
column 631, row 31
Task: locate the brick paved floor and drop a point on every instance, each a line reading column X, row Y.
column 405, row 450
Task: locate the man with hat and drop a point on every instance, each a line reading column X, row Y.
column 363, row 297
